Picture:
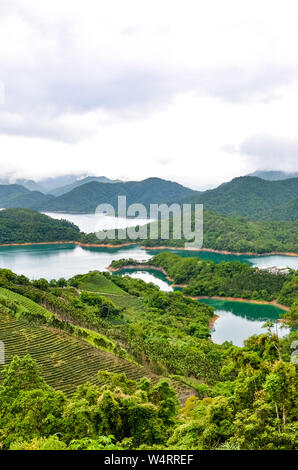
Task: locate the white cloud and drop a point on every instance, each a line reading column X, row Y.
column 268, row 150
column 172, row 84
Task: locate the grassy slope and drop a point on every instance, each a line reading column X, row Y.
column 66, row 361
column 134, row 306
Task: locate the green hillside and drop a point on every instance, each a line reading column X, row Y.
column 241, row 397
column 28, row 226
column 237, row 234
column 15, row 195
column 87, row 197
column 251, row 197
column 66, row 360
column 220, row 232
column 285, row 211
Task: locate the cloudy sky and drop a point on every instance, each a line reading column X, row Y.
column 193, row 91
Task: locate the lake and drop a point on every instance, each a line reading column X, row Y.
column 90, row 223
column 237, row 320
column 66, row 260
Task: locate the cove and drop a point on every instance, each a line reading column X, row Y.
column 236, row 321
column 239, row 320
column 67, row 259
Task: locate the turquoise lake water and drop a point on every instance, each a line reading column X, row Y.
column 237, row 320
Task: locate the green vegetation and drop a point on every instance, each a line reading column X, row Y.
column 26, row 226
column 66, row 361
column 15, row 195
column 69, row 354
column 220, row 233
column 156, row 328
column 29, row 226
column 101, row 361
column 234, row 234
column 87, row 197
column 237, row 234
column 289, row 291
column 253, row 406
column 253, row 198
column 87, row 398
column 225, row 279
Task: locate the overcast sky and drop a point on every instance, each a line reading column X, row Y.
column 193, row 91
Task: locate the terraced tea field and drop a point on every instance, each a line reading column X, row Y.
column 103, row 286
column 65, row 360
column 96, row 282
column 32, row 306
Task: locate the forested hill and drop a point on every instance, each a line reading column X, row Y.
column 252, row 197
column 28, row 226
column 220, row 232
column 237, row 234
column 249, row 196
column 87, row 197
column 16, row 195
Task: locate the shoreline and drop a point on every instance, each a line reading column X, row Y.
column 143, row 247
column 274, row 303
column 212, row 321
column 95, row 245
column 142, row 266
column 222, row 252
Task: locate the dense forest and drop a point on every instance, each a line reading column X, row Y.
column 243, row 398
column 16, row 195
column 253, row 198
column 225, row 279
column 237, row 234
column 28, row 226
column 86, row 197
column 220, row 232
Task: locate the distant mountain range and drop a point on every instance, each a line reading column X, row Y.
column 15, row 195
column 65, row 189
column 247, row 196
column 56, row 185
column 28, row 184
column 273, row 175
column 87, row 196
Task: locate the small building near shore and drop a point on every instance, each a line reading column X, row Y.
column 276, row 269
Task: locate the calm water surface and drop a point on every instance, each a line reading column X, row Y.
column 237, row 320
column 90, row 223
